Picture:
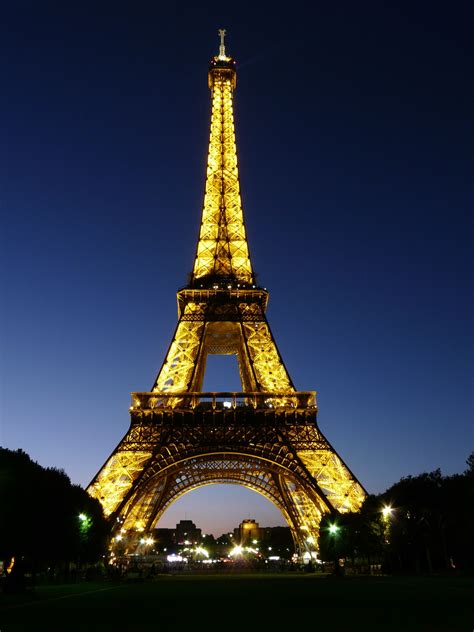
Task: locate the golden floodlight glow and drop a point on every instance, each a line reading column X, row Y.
column 237, row 550
column 265, row 437
column 387, row 511
column 199, row 550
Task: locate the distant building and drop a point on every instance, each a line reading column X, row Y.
column 187, row 532
column 247, row 531
column 269, row 540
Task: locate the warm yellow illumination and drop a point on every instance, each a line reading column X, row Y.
column 265, row 437
column 199, row 550
column 10, row 566
column 237, row 550
column 222, row 247
column 387, row 511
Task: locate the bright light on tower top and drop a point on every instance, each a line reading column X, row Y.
column 222, row 67
column 222, row 54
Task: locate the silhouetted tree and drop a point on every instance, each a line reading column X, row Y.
column 429, row 527
column 470, row 465
column 39, row 517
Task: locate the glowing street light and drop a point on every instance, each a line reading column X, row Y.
column 333, row 529
column 237, row 550
column 199, row 550
column 85, row 523
column 387, row 511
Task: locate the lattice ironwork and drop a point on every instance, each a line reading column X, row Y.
column 265, row 437
column 222, row 248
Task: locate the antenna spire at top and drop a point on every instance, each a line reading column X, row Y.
column 222, row 54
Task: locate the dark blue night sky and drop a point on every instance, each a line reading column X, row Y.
column 354, row 140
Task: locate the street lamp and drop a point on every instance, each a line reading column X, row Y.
column 387, row 511
column 237, row 550
column 199, row 550
column 85, row 523
column 333, row 529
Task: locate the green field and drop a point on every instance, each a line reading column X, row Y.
column 247, row 602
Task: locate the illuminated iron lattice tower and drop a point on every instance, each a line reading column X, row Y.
column 265, row 437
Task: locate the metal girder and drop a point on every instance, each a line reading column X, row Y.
column 266, row 437
column 297, row 468
column 116, row 478
column 299, row 502
column 334, row 478
column 223, row 328
column 222, row 247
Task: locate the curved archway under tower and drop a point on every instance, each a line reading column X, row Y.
column 219, row 508
column 296, row 499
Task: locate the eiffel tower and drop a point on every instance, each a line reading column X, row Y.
column 266, row 437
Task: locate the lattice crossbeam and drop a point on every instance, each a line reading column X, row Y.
column 222, row 247
column 265, row 437
column 117, row 477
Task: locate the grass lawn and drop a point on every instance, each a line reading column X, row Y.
column 247, row 602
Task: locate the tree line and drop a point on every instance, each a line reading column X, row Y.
column 46, row 522
column 423, row 523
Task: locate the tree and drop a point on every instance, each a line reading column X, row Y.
column 470, row 465
column 40, row 520
column 427, row 526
